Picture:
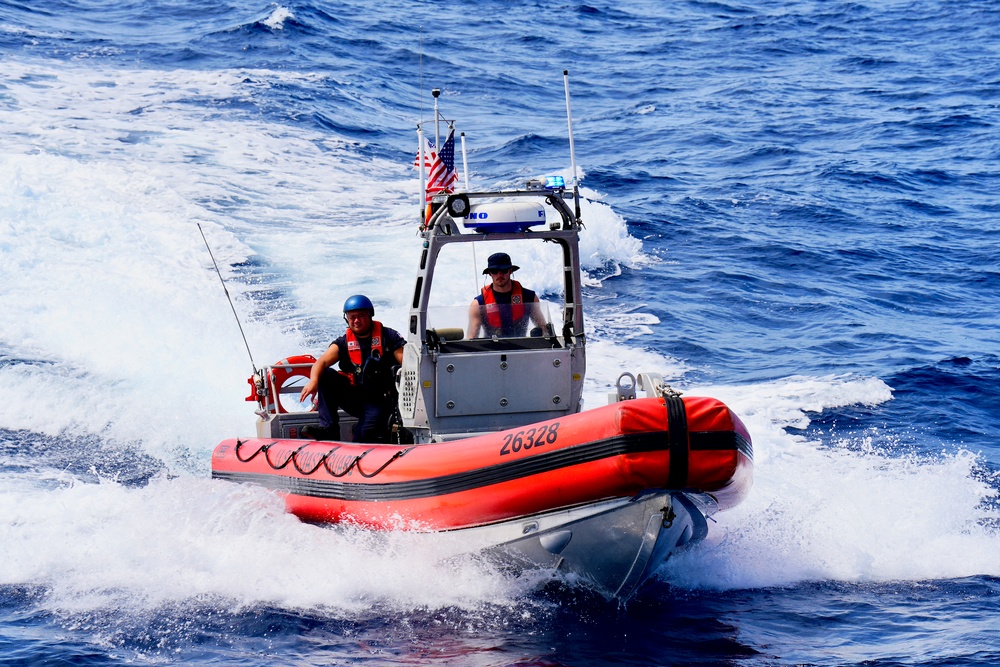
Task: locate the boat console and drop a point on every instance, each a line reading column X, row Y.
column 454, row 383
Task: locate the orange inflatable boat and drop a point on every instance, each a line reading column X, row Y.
column 505, row 458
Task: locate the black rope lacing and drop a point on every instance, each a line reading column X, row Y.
column 239, row 445
column 321, row 461
column 383, row 466
column 324, row 460
column 346, row 470
column 267, row 456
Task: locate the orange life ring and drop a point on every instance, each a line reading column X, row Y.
column 280, row 373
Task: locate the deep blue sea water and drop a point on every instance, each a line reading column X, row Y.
column 791, row 206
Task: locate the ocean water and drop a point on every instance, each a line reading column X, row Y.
column 790, row 206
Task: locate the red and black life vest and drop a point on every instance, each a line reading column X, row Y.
column 354, row 347
column 493, row 308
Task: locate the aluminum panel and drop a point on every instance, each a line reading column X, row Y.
column 484, row 383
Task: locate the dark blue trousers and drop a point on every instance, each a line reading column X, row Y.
column 336, row 391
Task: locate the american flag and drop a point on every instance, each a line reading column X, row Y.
column 429, row 155
column 443, row 176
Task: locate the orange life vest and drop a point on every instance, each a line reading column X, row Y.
column 493, row 308
column 354, row 347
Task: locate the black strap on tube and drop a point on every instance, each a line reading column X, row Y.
column 677, row 439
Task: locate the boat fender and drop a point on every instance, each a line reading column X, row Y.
column 280, row 373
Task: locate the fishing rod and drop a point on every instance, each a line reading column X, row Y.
column 224, row 289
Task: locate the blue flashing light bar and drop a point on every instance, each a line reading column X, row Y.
column 555, row 183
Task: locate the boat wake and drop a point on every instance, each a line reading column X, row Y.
column 820, row 510
column 844, row 506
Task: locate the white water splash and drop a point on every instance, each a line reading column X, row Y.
column 276, row 21
column 845, row 510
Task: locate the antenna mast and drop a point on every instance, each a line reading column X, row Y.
column 572, row 151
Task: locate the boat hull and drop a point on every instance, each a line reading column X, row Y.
column 615, row 545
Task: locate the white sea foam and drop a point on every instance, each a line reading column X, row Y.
column 845, row 510
column 606, row 239
column 276, row 21
column 104, row 545
column 106, row 274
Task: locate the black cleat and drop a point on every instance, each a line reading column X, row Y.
column 321, row 432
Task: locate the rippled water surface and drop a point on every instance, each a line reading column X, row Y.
column 790, row 206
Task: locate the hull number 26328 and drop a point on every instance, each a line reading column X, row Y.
column 536, row 436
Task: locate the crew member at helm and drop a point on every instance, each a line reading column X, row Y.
column 364, row 386
column 504, row 308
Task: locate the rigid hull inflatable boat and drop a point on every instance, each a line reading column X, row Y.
column 497, row 447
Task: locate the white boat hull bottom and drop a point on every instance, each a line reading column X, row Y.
column 616, row 544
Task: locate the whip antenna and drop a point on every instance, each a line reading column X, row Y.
column 572, row 152
column 222, row 280
column 420, row 75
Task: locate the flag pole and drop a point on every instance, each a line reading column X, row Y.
column 436, row 92
column 465, row 164
column 420, row 162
